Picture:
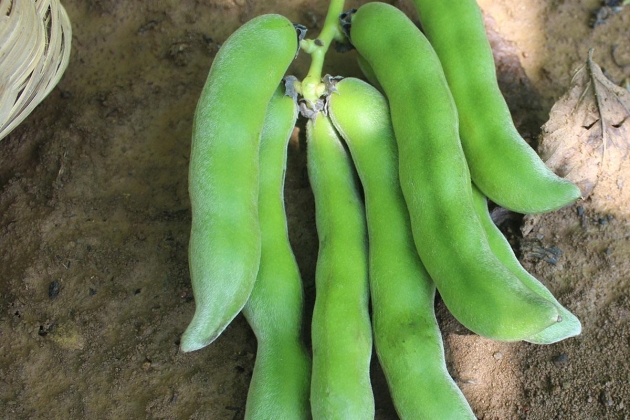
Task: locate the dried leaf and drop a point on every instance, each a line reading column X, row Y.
column 587, row 139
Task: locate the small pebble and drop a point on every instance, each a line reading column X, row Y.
column 606, row 399
column 53, row 289
column 498, row 355
column 560, row 359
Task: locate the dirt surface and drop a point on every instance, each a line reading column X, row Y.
column 94, row 223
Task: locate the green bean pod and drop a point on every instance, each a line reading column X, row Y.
column 280, row 384
column 502, row 164
column 570, row 325
column 224, row 248
column 406, row 334
column 341, row 330
column 367, row 71
column 481, row 292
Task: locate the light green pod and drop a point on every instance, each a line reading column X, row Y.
column 280, row 384
column 224, row 248
column 341, row 330
column 367, row 71
column 502, row 164
column 481, row 292
column 570, row 325
column 406, row 334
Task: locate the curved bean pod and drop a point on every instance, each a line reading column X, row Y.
column 280, row 384
column 570, row 325
column 502, row 164
column 406, row 334
column 224, row 248
column 341, row 330
column 367, row 71
column 476, row 287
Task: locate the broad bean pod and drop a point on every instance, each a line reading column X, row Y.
column 224, row 248
column 280, row 384
column 406, row 334
column 341, row 330
column 367, row 71
column 480, row 291
column 502, row 164
column 570, row 325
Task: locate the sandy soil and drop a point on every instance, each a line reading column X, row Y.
column 94, row 221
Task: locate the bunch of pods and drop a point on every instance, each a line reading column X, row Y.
column 400, row 169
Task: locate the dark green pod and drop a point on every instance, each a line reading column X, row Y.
column 224, row 249
column 481, row 292
column 406, row 334
column 341, row 330
column 502, row 164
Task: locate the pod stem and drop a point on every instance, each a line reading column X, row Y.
column 312, row 86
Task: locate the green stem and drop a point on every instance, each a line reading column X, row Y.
column 312, row 86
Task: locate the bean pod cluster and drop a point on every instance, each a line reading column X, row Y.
column 400, row 169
